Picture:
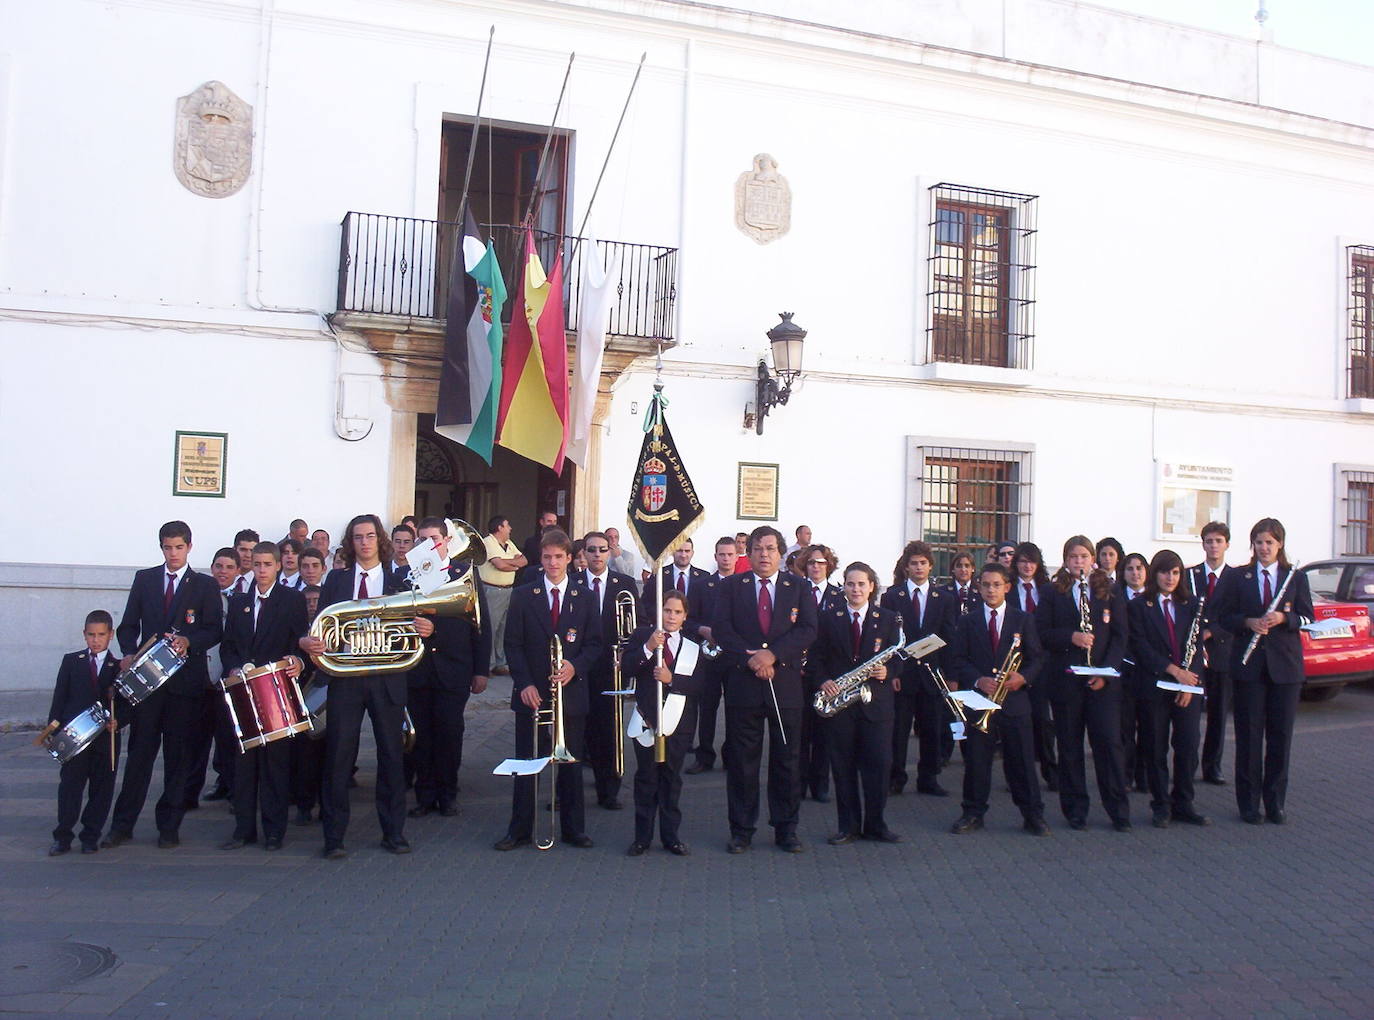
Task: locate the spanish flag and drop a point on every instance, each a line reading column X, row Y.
column 533, row 419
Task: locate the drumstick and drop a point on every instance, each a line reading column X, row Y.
column 112, row 731
column 44, row 735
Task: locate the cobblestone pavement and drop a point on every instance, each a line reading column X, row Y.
column 1232, row 920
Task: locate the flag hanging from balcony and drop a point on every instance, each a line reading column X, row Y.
column 664, row 509
column 470, row 379
column 533, row 420
column 593, row 316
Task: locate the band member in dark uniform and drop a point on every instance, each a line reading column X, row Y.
column 1160, row 623
column 83, row 679
column 1137, row 689
column 858, row 738
column 658, row 785
column 307, row 755
column 455, row 666
column 763, row 623
column 1091, row 704
column 553, row 605
column 963, row 585
column 366, row 574
column 1031, row 587
column 1216, row 665
column 979, row 647
column 711, row 675
column 215, row 726
column 817, row 563
column 605, row 586
column 163, row 598
column 1269, row 684
column 924, row 609
column 265, row 625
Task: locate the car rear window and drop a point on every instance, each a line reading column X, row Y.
column 1362, row 584
column 1325, row 580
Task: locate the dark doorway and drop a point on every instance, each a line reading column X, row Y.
column 503, row 175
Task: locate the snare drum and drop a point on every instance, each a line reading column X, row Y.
column 154, row 664
column 265, row 704
column 316, row 697
column 79, row 734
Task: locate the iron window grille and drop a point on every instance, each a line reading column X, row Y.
column 964, row 498
column 1360, row 320
column 1355, row 504
column 980, row 298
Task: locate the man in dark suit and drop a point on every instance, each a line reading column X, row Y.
column 455, row 667
column 925, row 609
column 367, row 574
column 530, row 549
column 979, row 644
column 84, row 679
column 1216, row 641
column 163, row 598
column 682, row 577
column 555, row 605
column 604, row 586
column 713, row 670
column 263, row 626
column 763, row 622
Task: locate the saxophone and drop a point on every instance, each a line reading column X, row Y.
column 999, row 693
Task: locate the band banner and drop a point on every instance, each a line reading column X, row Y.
column 664, row 509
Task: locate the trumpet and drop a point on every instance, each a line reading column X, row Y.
column 552, row 717
column 942, row 685
column 999, row 693
column 1085, row 616
column 624, row 627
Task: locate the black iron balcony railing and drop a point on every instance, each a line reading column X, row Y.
column 394, row 265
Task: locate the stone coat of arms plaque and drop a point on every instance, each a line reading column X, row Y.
column 763, row 201
column 213, row 152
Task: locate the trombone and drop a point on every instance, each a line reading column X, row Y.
column 624, row 627
column 552, row 717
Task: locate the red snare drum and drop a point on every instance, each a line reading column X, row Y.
column 265, row 704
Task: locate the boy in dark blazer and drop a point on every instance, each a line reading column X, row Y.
column 554, row 604
column 1216, row 673
column 604, row 586
column 264, row 625
column 763, row 622
column 84, row 678
column 163, row 598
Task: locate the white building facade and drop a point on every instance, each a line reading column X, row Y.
column 1063, row 270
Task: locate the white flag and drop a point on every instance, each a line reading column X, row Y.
column 593, row 319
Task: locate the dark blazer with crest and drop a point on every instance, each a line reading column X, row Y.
column 456, row 651
column 970, row 654
column 195, row 614
column 735, row 628
column 1219, row 646
column 1150, row 637
column 74, row 693
column 697, row 598
column 529, row 631
column 833, row 652
column 616, row 582
column 1280, row 651
column 640, row 668
column 338, row 587
column 940, row 615
column 1057, row 620
column 281, row 625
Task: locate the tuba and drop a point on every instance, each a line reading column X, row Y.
column 377, row 635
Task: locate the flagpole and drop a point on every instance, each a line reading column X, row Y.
column 476, row 130
column 577, row 241
column 660, row 741
column 548, row 137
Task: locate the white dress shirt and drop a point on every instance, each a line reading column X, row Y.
column 376, row 580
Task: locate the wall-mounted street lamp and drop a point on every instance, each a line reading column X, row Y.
column 786, row 340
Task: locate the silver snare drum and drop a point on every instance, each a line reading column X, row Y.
column 156, row 662
column 79, row 734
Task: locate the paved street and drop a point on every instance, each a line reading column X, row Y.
column 1233, row 920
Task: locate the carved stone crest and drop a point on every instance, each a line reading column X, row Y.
column 763, row 201
column 213, row 154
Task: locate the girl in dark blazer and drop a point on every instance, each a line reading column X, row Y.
column 1269, row 683
column 859, row 738
column 1137, row 689
column 1093, row 704
column 963, row 585
column 816, row 563
column 1161, row 620
column 1028, row 567
column 658, row 785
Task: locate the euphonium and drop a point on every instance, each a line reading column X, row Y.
column 552, row 717
column 999, row 693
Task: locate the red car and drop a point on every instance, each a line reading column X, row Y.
column 1344, row 589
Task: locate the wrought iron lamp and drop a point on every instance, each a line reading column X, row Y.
column 786, row 339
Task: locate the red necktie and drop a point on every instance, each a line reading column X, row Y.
column 916, row 604
column 854, row 632
column 681, row 582
column 241, row 585
column 1268, row 591
column 171, row 591
column 596, row 590
column 1030, row 597
column 362, row 586
column 1169, row 629
column 553, row 612
column 95, row 676
column 1211, row 583
column 765, row 608
column 668, row 657
column 992, row 630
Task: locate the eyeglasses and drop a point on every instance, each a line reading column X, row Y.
column 817, row 563
column 596, row 548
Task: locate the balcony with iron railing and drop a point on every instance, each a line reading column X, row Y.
column 395, row 266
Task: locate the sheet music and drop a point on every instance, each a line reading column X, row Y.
column 975, row 701
column 520, row 767
column 1169, row 685
column 1093, row 671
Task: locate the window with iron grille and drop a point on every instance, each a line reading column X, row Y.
column 964, row 498
column 1355, row 511
column 980, row 301
column 1360, row 320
